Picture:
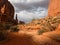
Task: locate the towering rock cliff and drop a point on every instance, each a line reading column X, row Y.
column 54, row 8
column 6, row 11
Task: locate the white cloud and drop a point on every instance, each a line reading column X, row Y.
column 24, row 1
column 30, row 9
column 27, row 16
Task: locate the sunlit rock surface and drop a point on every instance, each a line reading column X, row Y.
column 54, row 7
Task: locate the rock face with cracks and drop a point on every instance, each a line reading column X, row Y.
column 6, row 11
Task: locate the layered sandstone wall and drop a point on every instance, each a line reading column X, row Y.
column 54, row 7
column 6, row 11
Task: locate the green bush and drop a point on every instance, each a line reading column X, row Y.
column 41, row 31
column 7, row 26
column 14, row 29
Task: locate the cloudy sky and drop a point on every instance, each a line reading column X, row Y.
column 30, row 9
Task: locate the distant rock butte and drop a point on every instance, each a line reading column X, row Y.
column 54, row 8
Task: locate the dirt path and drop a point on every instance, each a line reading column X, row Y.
column 28, row 38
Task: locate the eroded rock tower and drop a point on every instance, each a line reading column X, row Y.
column 6, row 12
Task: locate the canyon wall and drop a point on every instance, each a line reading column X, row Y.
column 54, row 8
column 6, row 11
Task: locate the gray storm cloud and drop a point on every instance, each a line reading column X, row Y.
column 28, row 6
column 30, row 10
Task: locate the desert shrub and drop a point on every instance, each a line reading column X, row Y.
column 38, row 23
column 51, row 23
column 14, row 29
column 3, row 35
column 7, row 26
column 41, row 31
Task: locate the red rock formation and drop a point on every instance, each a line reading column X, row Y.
column 6, row 11
column 54, row 8
column 16, row 20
